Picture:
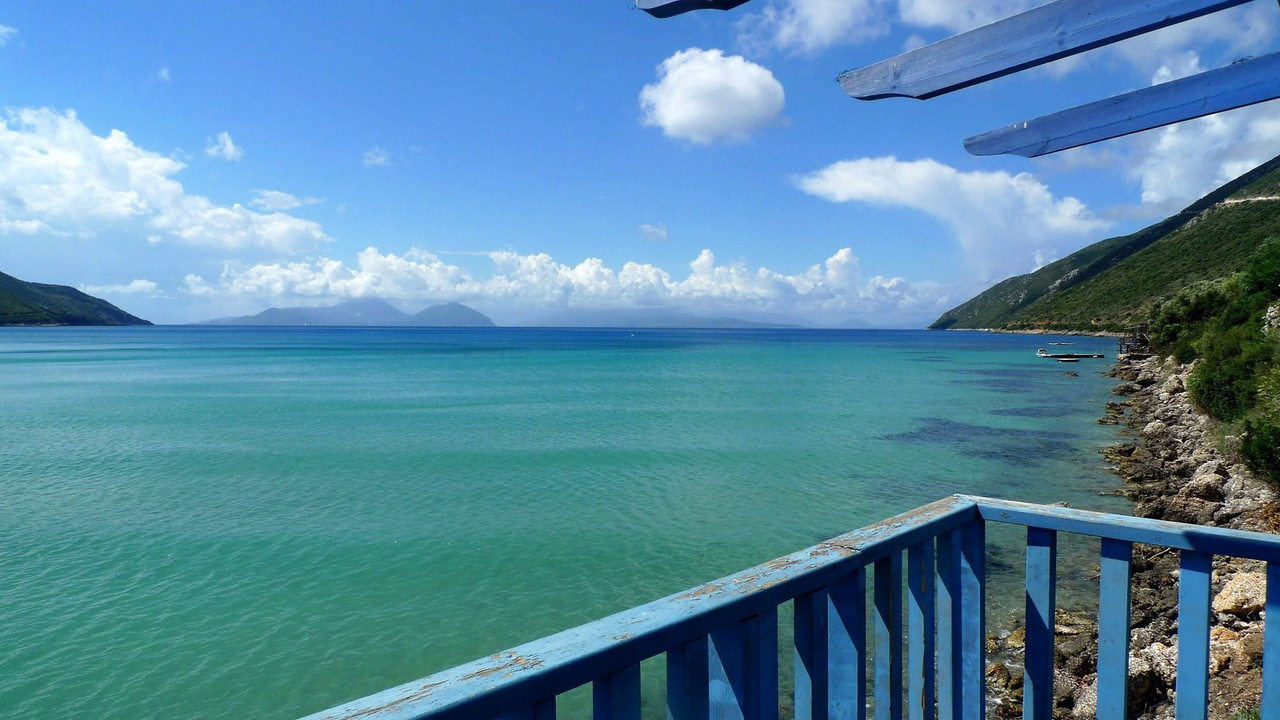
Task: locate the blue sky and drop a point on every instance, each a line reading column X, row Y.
column 189, row 161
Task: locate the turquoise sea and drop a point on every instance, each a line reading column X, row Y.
column 263, row 522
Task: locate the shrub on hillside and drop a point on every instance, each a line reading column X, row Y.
column 1180, row 321
column 1260, row 447
column 1222, row 388
column 1262, row 275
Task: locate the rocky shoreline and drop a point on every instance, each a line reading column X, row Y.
column 1173, row 470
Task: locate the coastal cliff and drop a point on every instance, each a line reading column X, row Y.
column 1173, row 470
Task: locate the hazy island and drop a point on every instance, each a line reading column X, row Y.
column 363, row 313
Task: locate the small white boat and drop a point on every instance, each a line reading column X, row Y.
column 1066, row 356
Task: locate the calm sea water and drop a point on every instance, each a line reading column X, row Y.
column 235, row 522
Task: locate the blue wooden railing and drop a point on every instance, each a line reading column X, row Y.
column 720, row 640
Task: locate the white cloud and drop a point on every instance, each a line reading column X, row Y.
column 654, row 233
column 414, row 275
column 277, row 200
column 1229, row 34
column 704, row 97
column 807, row 26
column 163, row 73
column 1003, row 222
column 1180, row 163
column 6, row 34
column 137, row 287
column 58, row 178
column 222, row 147
column 960, row 15
column 1176, row 165
column 377, row 157
column 828, row 292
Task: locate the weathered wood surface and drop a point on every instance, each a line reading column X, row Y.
column 1246, row 82
column 1038, row 36
column 670, row 8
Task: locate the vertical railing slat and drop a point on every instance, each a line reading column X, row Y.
column 687, row 697
column 811, row 674
column 762, row 668
column 973, row 584
column 847, row 647
column 920, row 629
column 742, row 670
column 617, row 696
column 947, row 576
column 1113, row 627
column 545, row 710
column 1042, row 602
column 888, row 634
column 726, row 673
column 1194, row 593
column 1271, row 646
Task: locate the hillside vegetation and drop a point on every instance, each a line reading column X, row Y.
column 1230, row 327
column 27, row 303
column 1118, row 282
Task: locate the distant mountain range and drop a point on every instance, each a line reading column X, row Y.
column 28, row 303
column 645, row 318
column 364, row 313
column 1116, row 282
column 371, row 312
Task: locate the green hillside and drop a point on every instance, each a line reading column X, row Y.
column 1118, row 281
column 24, row 303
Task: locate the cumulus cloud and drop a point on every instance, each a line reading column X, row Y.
column 1180, row 163
column 6, row 34
column 414, row 275
column 705, row 97
column 960, row 15
column 58, row 178
column 654, row 233
column 277, row 200
column 376, row 157
column 831, row 291
column 807, row 26
column 1176, row 165
column 1230, row 34
column 1006, row 224
column 137, row 287
column 222, row 147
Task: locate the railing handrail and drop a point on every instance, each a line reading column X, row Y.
column 1179, row 536
column 556, row 663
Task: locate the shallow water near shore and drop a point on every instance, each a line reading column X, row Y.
column 265, row 522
